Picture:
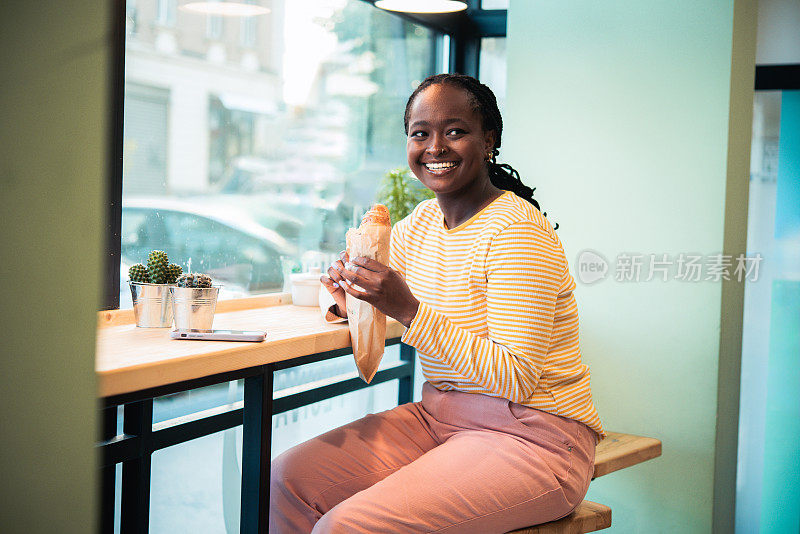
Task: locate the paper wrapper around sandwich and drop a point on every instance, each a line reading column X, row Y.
column 367, row 324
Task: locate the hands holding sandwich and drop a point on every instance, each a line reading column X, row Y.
column 382, row 286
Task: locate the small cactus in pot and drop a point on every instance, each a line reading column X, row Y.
column 173, row 272
column 157, row 271
column 139, row 273
column 157, row 264
column 194, row 280
column 150, row 283
column 194, row 301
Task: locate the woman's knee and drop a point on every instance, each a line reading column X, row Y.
column 289, row 497
column 289, row 475
column 343, row 519
column 284, row 465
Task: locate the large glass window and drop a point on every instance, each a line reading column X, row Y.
column 492, row 67
column 252, row 143
column 767, row 495
column 494, row 4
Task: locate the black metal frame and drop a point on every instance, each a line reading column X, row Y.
column 777, row 77
column 141, row 438
column 466, row 29
column 113, row 243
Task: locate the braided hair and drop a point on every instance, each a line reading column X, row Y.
column 502, row 175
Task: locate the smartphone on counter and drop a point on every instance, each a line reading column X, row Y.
column 219, row 335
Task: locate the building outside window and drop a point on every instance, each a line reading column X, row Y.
column 248, row 29
column 166, row 12
column 214, row 27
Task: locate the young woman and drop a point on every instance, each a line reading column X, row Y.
column 504, row 436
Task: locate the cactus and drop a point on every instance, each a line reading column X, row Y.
column 158, row 270
column 194, row 280
column 173, row 272
column 157, row 264
column 138, row 273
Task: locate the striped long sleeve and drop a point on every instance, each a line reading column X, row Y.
column 523, row 277
column 497, row 315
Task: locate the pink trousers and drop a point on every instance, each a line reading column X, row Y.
column 453, row 463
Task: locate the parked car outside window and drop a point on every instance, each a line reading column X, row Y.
column 228, row 246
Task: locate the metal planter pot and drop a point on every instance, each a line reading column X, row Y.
column 194, row 307
column 152, row 304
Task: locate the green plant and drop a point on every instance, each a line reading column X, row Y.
column 157, row 263
column 138, row 273
column 173, row 272
column 194, row 280
column 400, row 192
column 157, row 271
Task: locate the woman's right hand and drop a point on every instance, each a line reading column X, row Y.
column 333, row 283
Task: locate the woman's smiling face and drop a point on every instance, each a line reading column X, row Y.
column 446, row 144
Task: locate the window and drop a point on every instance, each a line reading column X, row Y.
column 214, row 27
column 768, row 416
column 165, row 15
column 248, row 29
column 494, row 4
column 251, row 145
column 130, row 17
column 492, row 67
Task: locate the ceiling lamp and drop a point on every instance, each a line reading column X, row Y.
column 422, row 6
column 225, row 9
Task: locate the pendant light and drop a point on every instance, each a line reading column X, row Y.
column 422, row 6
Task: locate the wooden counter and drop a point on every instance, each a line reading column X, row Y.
column 135, row 366
column 132, row 359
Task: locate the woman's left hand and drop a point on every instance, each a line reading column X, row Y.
column 382, row 286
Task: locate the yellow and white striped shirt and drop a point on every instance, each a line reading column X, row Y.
column 497, row 315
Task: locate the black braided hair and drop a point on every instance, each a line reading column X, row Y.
column 503, row 176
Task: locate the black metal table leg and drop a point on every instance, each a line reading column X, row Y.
column 256, row 452
column 108, row 474
column 405, row 391
column 135, row 509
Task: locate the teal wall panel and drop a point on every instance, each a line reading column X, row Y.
column 787, row 208
column 780, row 504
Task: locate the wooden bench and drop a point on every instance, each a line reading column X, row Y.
column 616, row 452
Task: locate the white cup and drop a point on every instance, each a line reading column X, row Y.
column 305, row 287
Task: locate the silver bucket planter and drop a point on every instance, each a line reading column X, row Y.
column 194, row 307
column 152, row 304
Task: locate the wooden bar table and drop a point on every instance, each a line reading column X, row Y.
column 135, row 365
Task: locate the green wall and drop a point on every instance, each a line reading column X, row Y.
column 53, row 139
column 623, row 115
